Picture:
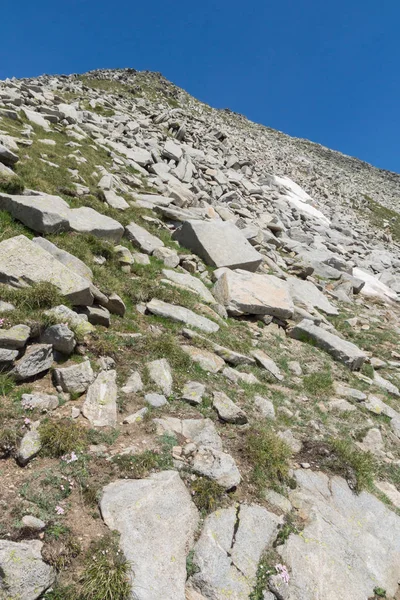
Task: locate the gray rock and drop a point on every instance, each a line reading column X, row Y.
column 160, row 374
column 267, row 363
column 219, row 244
column 30, row 445
column 133, row 384
column 229, row 550
column 294, row 444
column 37, row 359
column 156, row 400
column 69, row 260
column 156, row 548
column 386, row 385
column 265, row 408
column 390, row 492
column 100, row 405
column 341, row 350
column 75, row 379
column 187, row 281
column 14, row 338
column 114, row 200
column 116, row 305
column 278, row 500
column 22, row 263
column 33, row 522
column 78, row 323
column 97, row 315
column 7, row 157
column 169, row 257
column 23, row 571
column 87, row 220
column 199, row 431
column 306, row 294
column 142, row 239
column 193, row 392
column 237, row 376
column 44, row 402
column 60, row 337
column 349, row 546
column 227, row 410
column 216, row 465
column 7, row 357
column 43, row 214
column 181, row 315
column 136, row 417
column 244, row 293
column 172, row 151
column 204, row 358
column 372, row 442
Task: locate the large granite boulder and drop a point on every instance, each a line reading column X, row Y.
column 23, row 573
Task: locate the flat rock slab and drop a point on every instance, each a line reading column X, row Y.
column 207, row 360
column 75, row 379
column 200, row 431
column 268, row 364
column 69, row 260
column 142, row 239
column 180, row 314
column 219, row 244
column 30, row 445
column 341, row 350
column 229, row 550
column 305, row 293
column 44, row 402
column 193, row 392
column 26, row 575
column 43, row 214
column 157, row 521
column 100, row 406
column 191, row 283
column 37, row 359
column 349, row 546
column 23, row 263
column 160, row 374
column 244, row 293
column 88, row 220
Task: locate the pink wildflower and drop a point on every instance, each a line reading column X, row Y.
column 283, row 572
column 59, row 510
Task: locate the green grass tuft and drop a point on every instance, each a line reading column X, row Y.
column 268, row 456
column 62, row 436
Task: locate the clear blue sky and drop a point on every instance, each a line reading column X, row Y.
column 325, row 70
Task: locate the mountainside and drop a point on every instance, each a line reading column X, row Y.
column 199, row 361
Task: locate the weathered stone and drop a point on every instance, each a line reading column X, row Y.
column 349, row 546
column 30, row 445
column 114, row 200
column 216, row 465
column 229, row 550
column 44, row 402
column 88, row 220
column 390, row 492
column 142, row 239
column 100, row 405
column 278, row 500
column 24, row 574
column 200, row 431
column 69, row 260
column 207, row 360
column 237, row 376
column 22, row 263
column 78, row 322
column 267, row 363
column 37, row 359
column 160, row 373
column 169, row 257
column 133, row 384
column 14, row 338
column 339, row 349
column 187, row 281
column 244, row 293
column 156, row 548
column 7, row 357
column 7, row 157
column 116, row 305
column 75, row 379
column 60, row 337
column 181, row 315
column 43, row 214
column 97, row 315
column 305, row 293
column 265, row 408
column 33, row 522
column 386, row 385
column 227, row 410
column 219, row 244
column 193, row 392
column 136, row 417
column 156, row 400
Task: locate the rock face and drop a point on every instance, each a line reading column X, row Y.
column 141, row 238
column 100, row 405
column 155, row 547
column 341, row 350
column 43, row 214
column 349, row 546
column 23, row 573
column 219, row 244
column 229, row 550
column 181, row 315
column 22, row 263
column 69, row 260
column 244, row 293
column 75, row 379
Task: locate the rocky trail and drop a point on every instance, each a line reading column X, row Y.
column 199, row 352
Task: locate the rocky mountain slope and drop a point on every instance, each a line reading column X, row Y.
column 199, row 361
